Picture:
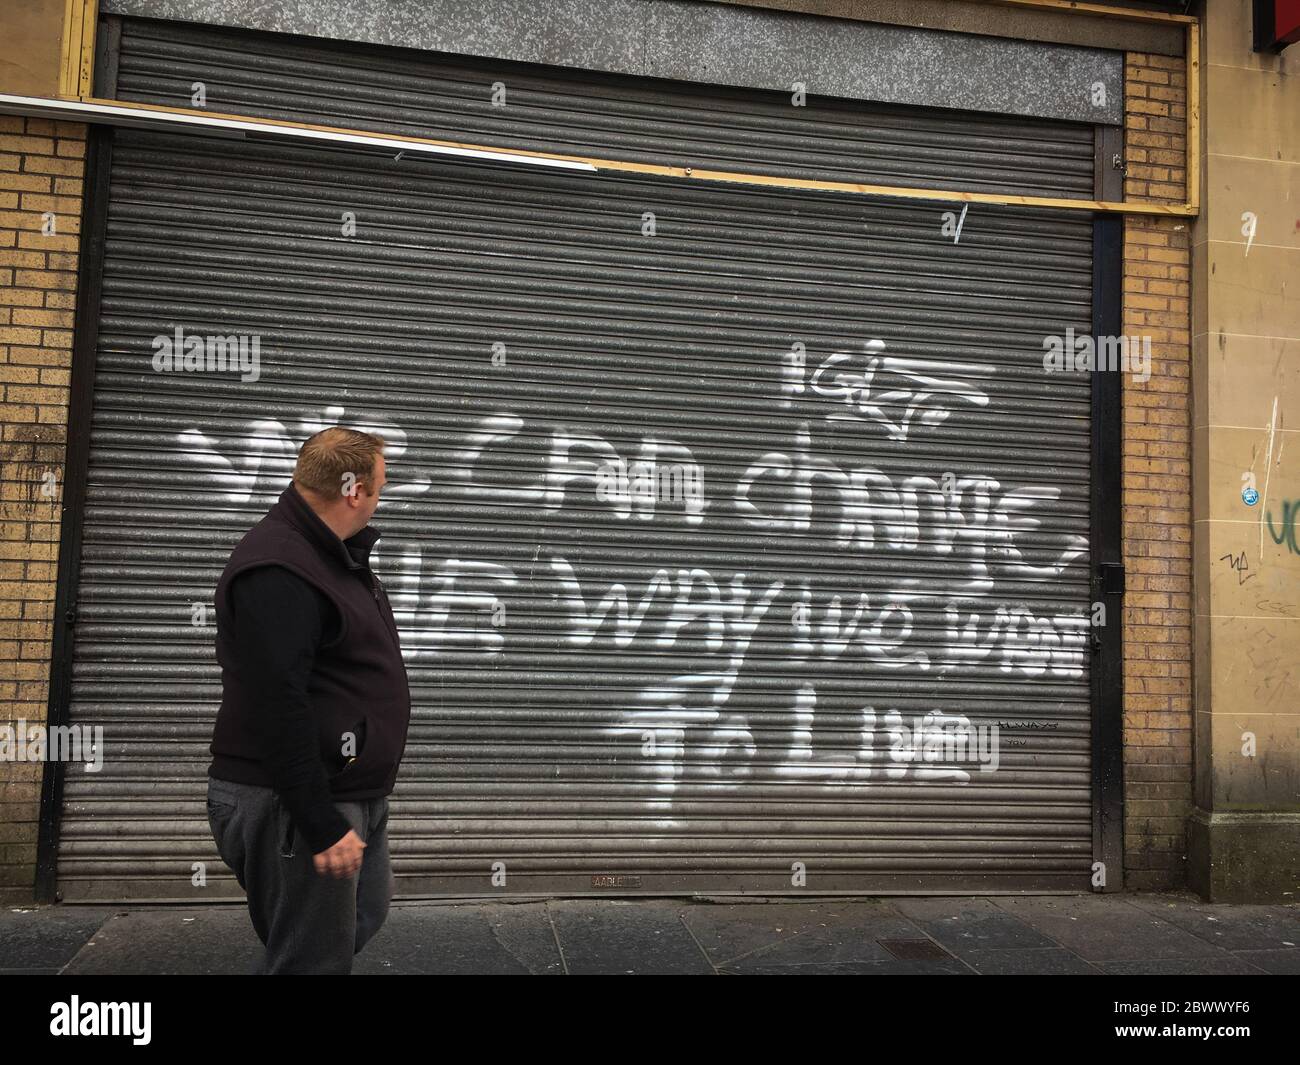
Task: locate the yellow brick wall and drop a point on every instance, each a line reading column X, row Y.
column 42, row 167
column 1157, row 503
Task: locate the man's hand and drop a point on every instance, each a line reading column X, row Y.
column 341, row 860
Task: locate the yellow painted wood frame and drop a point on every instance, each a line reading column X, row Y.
column 77, row 48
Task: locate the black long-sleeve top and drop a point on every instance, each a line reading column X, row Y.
column 280, row 622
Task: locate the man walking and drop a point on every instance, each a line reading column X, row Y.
column 314, row 713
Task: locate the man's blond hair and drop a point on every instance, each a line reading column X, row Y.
column 335, row 459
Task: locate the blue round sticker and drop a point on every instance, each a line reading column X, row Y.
column 1249, row 496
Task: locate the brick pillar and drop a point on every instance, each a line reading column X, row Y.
column 1157, row 504
column 42, row 166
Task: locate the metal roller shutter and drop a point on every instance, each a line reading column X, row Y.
column 644, row 120
column 700, row 685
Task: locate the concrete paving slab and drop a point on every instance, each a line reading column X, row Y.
column 1225, row 966
column 963, row 925
column 1101, row 929
column 951, row 967
column 732, row 930
column 610, row 936
column 171, row 941
column 853, row 935
column 45, row 939
column 1276, row 962
column 493, row 939
column 1236, row 927
column 1039, row 961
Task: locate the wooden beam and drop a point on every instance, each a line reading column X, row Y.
column 124, row 113
column 70, row 32
column 86, row 68
column 1193, row 169
column 1096, row 10
column 77, row 48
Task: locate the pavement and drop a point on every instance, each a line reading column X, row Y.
column 1151, row 934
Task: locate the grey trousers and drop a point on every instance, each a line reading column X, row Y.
column 309, row 923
